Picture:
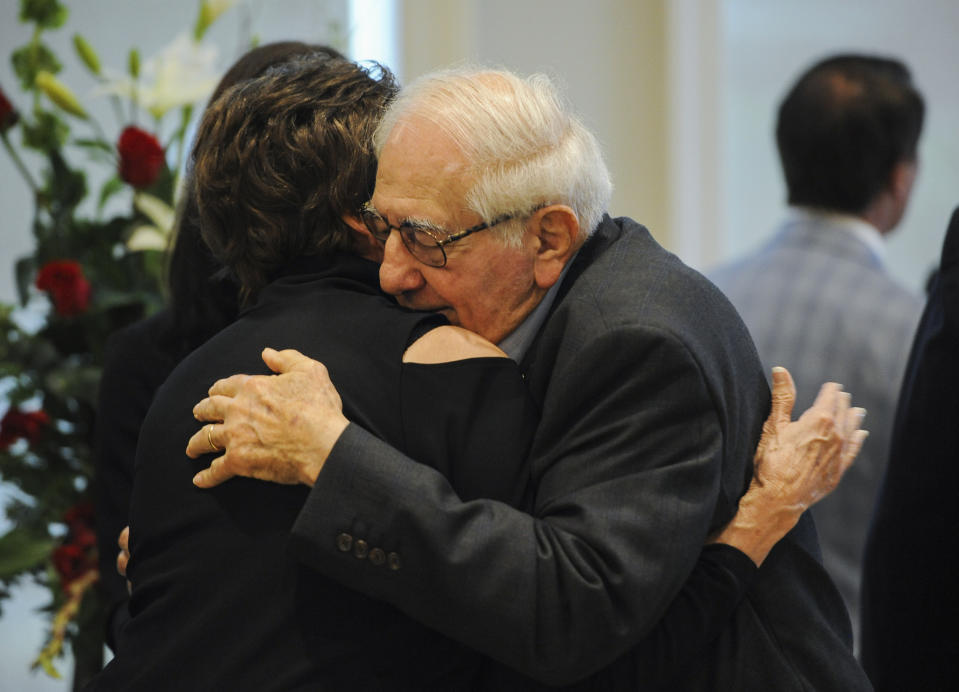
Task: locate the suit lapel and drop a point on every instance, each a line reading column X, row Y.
column 537, row 364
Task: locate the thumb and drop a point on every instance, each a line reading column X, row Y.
column 285, row 361
column 784, row 397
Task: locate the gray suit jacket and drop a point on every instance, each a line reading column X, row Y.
column 652, row 403
column 819, row 302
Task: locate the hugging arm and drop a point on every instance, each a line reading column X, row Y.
column 560, row 591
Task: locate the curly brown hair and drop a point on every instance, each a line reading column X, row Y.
column 280, row 159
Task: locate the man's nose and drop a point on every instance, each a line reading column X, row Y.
column 400, row 271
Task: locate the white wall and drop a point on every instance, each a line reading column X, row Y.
column 609, row 55
column 765, row 47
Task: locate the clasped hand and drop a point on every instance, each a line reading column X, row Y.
column 278, row 428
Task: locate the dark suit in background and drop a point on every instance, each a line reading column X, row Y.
column 910, row 602
column 652, row 403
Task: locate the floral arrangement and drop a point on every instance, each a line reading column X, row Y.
column 89, row 274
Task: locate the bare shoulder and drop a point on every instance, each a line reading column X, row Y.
column 448, row 343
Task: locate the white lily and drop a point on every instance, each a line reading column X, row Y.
column 153, row 236
column 181, row 74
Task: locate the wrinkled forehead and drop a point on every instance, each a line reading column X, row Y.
column 422, row 172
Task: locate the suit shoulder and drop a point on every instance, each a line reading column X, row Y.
column 631, row 278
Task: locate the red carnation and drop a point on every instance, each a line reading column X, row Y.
column 8, row 114
column 72, row 561
column 69, row 290
column 77, row 555
column 17, row 424
column 141, row 157
column 79, row 520
column 79, row 515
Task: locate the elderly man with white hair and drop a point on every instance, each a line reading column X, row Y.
column 491, row 197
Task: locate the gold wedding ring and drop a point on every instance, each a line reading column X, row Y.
column 209, row 438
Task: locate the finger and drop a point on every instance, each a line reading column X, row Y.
column 207, row 440
column 854, row 437
column 854, row 419
column 853, row 448
column 212, row 409
column 122, row 560
column 123, row 540
column 228, row 386
column 214, row 475
column 784, row 396
column 827, row 397
column 211, row 441
column 843, row 405
column 286, row 360
column 202, row 442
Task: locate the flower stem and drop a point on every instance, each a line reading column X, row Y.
column 117, row 109
column 18, row 162
column 99, row 130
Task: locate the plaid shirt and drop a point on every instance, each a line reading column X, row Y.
column 817, row 300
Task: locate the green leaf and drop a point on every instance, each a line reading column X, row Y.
column 94, row 144
column 32, row 59
column 26, row 269
column 110, row 188
column 48, row 14
column 19, row 552
column 67, row 186
column 45, row 132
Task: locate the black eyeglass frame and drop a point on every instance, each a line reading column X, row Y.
column 407, row 228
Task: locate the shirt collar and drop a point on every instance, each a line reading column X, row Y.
column 517, row 342
column 864, row 231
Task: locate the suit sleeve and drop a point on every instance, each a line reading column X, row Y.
column 627, row 478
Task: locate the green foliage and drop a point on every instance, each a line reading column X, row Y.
column 32, row 59
column 46, row 14
column 21, row 552
column 80, row 284
column 44, row 132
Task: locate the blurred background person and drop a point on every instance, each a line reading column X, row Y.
column 201, row 301
column 817, row 297
column 911, row 567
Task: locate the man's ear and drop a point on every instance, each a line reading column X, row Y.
column 556, row 231
column 366, row 245
column 901, row 180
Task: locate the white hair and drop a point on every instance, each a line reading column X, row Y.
column 523, row 145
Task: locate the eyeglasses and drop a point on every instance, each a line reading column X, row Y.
column 421, row 239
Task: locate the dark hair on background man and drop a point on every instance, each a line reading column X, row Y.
column 842, row 129
column 200, row 302
column 282, row 158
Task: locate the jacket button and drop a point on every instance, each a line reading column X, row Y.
column 360, row 549
column 393, row 561
column 344, row 542
column 377, row 556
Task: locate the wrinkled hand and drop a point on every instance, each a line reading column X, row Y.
column 800, row 462
column 123, row 557
column 797, row 463
column 277, row 428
